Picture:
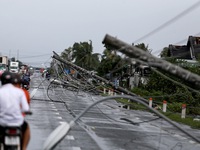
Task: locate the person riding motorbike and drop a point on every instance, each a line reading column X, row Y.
column 48, row 75
column 26, row 81
column 12, row 103
column 17, row 81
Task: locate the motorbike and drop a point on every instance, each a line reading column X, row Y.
column 11, row 137
column 48, row 76
column 25, row 85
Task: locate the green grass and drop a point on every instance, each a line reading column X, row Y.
column 173, row 116
column 187, row 121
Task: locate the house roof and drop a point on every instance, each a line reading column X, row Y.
column 189, row 51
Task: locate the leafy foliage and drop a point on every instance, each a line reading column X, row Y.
column 158, row 87
column 165, row 52
column 82, row 55
column 144, row 47
column 109, row 61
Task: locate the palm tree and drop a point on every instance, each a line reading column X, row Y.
column 67, row 54
column 82, row 55
column 109, row 62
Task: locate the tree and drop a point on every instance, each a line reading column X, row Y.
column 67, row 54
column 143, row 47
column 165, row 52
column 110, row 61
column 82, row 55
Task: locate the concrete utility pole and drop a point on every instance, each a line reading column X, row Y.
column 57, row 57
column 134, row 52
column 9, row 53
column 17, row 54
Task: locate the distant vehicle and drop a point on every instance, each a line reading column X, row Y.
column 26, row 81
column 14, row 67
column 37, row 71
column 2, row 67
column 143, row 70
column 48, row 75
column 23, row 69
column 41, row 70
column 3, row 63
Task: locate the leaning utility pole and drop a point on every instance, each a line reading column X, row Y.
column 57, row 57
column 134, row 52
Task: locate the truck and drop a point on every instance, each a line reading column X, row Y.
column 14, row 67
column 3, row 63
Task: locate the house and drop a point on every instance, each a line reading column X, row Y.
column 190, row 51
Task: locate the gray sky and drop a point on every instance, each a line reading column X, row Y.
column 34, row 28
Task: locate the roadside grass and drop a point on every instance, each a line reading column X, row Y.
column 173, row 116
column 188, row 120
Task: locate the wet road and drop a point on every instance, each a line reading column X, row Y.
column 103, row 127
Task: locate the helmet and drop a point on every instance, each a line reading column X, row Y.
column 6, row 77
column 16, row 79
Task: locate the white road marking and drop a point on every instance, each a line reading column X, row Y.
column 59, row 117
column 69, row 137
column 76, row 148
column 54, row 109
column 176, row 135
column 192, row 142
column 180, row 137
column 33, row 92
column 61, row 122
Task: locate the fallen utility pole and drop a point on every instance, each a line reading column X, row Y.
column 134, row 52
column 57, row 57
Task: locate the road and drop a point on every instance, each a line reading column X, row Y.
column 106, row 126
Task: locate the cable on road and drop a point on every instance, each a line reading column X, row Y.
column 134, row 99
column 58, row 74
column 137, row 123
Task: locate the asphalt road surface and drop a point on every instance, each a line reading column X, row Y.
column 106, row 126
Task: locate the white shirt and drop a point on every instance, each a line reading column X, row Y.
column 12, row 103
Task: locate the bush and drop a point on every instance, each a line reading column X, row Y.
column 174, row 107
column 194, row 110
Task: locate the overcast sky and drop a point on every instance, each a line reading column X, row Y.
column 31, row 29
